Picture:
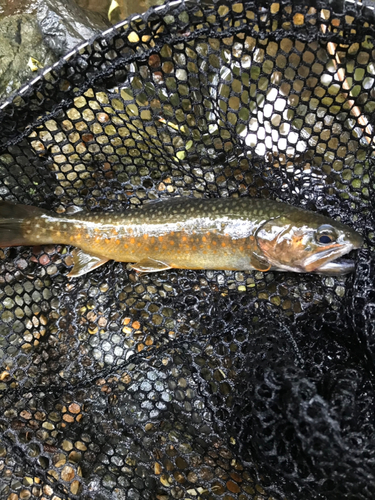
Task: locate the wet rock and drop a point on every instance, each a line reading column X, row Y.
column 64, row 24
column 45, row 30
column 100, row 6
column 20, row 39
column 12, row 7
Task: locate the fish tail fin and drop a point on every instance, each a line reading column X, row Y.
column 17, row 224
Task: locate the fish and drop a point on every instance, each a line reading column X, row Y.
column 238, row 234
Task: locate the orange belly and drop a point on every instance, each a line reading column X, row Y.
column 197, row 250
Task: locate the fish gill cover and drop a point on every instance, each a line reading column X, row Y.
column 191, row 384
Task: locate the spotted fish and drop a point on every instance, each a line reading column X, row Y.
column 225, row 234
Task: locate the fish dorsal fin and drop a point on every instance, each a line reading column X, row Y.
column 174, row 200
column 84, row 262
column 152, row 202
column 73, row 209
column 149, row 265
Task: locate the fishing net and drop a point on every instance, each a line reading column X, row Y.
column 193, row 384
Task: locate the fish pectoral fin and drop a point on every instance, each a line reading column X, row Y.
column 84, row 262
column 149, row 265
column 260, row 264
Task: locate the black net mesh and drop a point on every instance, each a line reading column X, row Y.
column 188, row 384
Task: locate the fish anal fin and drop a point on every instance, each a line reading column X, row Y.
column 149, row 265
column 84, row 262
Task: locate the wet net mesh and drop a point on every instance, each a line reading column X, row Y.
column 193, row 384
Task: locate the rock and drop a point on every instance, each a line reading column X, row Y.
column 64, row 24
column 20, row 39
column 100, row 6
column 12, row 7
column 45, row 31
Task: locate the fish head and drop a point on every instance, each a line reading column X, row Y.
column 307, row 242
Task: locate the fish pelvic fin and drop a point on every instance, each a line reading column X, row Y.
column 84, row 262
column 149, row 265
column 17, row 224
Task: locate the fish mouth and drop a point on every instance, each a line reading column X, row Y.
column 327, row 261
column 336, row 267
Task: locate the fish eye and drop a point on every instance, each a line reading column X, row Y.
column 325, row 239
column 325, row 234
